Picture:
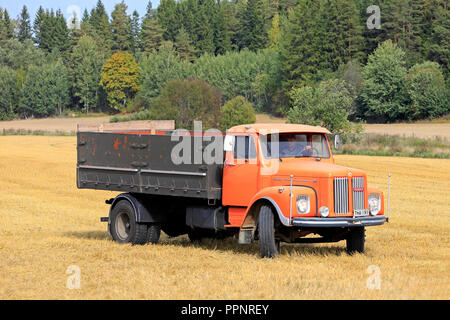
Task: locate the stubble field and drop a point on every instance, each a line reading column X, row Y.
column 69, row 125
column 48, row 225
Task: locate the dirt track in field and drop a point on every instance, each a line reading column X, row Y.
column 48, row 225
column 52, row 124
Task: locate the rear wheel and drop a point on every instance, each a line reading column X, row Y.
column 124, row 228
column 153, row 233
column 269, row 247
column 355, row 240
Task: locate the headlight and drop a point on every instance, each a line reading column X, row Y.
column 303, row 204
column 324, row 211
column 374, row 203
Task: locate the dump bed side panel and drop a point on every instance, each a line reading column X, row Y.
column 142, row 163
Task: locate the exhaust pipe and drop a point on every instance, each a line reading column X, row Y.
column 389, row 196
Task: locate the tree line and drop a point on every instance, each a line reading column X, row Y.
column 281, row 56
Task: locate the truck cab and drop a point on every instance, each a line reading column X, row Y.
column 288, row 171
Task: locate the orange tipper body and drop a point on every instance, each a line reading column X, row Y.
column 270, row 183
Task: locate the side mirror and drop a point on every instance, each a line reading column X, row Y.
column 228, row 144
column 337, row 142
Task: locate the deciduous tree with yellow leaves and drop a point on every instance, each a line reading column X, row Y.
column 120, row 79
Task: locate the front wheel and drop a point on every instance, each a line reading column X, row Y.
column 124, row 228
column 355, row 240
column 269, row 247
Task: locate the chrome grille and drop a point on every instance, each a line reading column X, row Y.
column 358, row 193
column 340, row 195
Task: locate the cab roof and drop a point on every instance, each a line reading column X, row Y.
column 266, row 128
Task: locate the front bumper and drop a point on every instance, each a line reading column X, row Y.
column 338, row 222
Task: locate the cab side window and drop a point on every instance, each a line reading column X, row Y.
column 244, row 148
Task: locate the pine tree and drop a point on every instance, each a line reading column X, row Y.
column 86, row 29
column 149, row 11
column 61, row 32
column 188, row 9
column 301, row 45
column 203, row 32
column 285, row 5
column 100, row 22
column 24, row 25
column 151, row 34
column 222, row 39
column 135, row 31
column 431, row 11
column 253, row 34
column 183, row 46
column 121, row 28
column 439, row 48
column 340, row 33
column 352, row 31
column 85, row 18
column 168, row 19
column 407, row 32
column 37, row 25
column 7, row 25
column 51, row 32
column 97, row 16
column 233, row 13
column 2, row 26
column 46, row 30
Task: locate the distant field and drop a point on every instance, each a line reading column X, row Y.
column 265, row 118
column 424, row 130
column 70, row 124
column 47, row 225
column 51, row 124
column 419, row 130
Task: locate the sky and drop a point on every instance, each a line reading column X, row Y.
column 14, row 7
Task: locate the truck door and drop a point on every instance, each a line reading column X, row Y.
column 240, row 172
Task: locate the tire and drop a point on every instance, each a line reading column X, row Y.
column 269, row 247
column 124, row 228
column 153, row 233
column 355, row 240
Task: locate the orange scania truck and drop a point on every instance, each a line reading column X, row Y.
column 270, row 183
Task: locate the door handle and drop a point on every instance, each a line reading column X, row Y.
column 226, row 164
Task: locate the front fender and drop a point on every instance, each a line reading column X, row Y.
column 279, row 198
column 143, row 214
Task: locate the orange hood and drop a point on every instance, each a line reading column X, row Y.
column 314, row 169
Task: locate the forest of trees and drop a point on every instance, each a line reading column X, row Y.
column 284, row 57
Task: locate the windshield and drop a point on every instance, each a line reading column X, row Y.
column 292, row 145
